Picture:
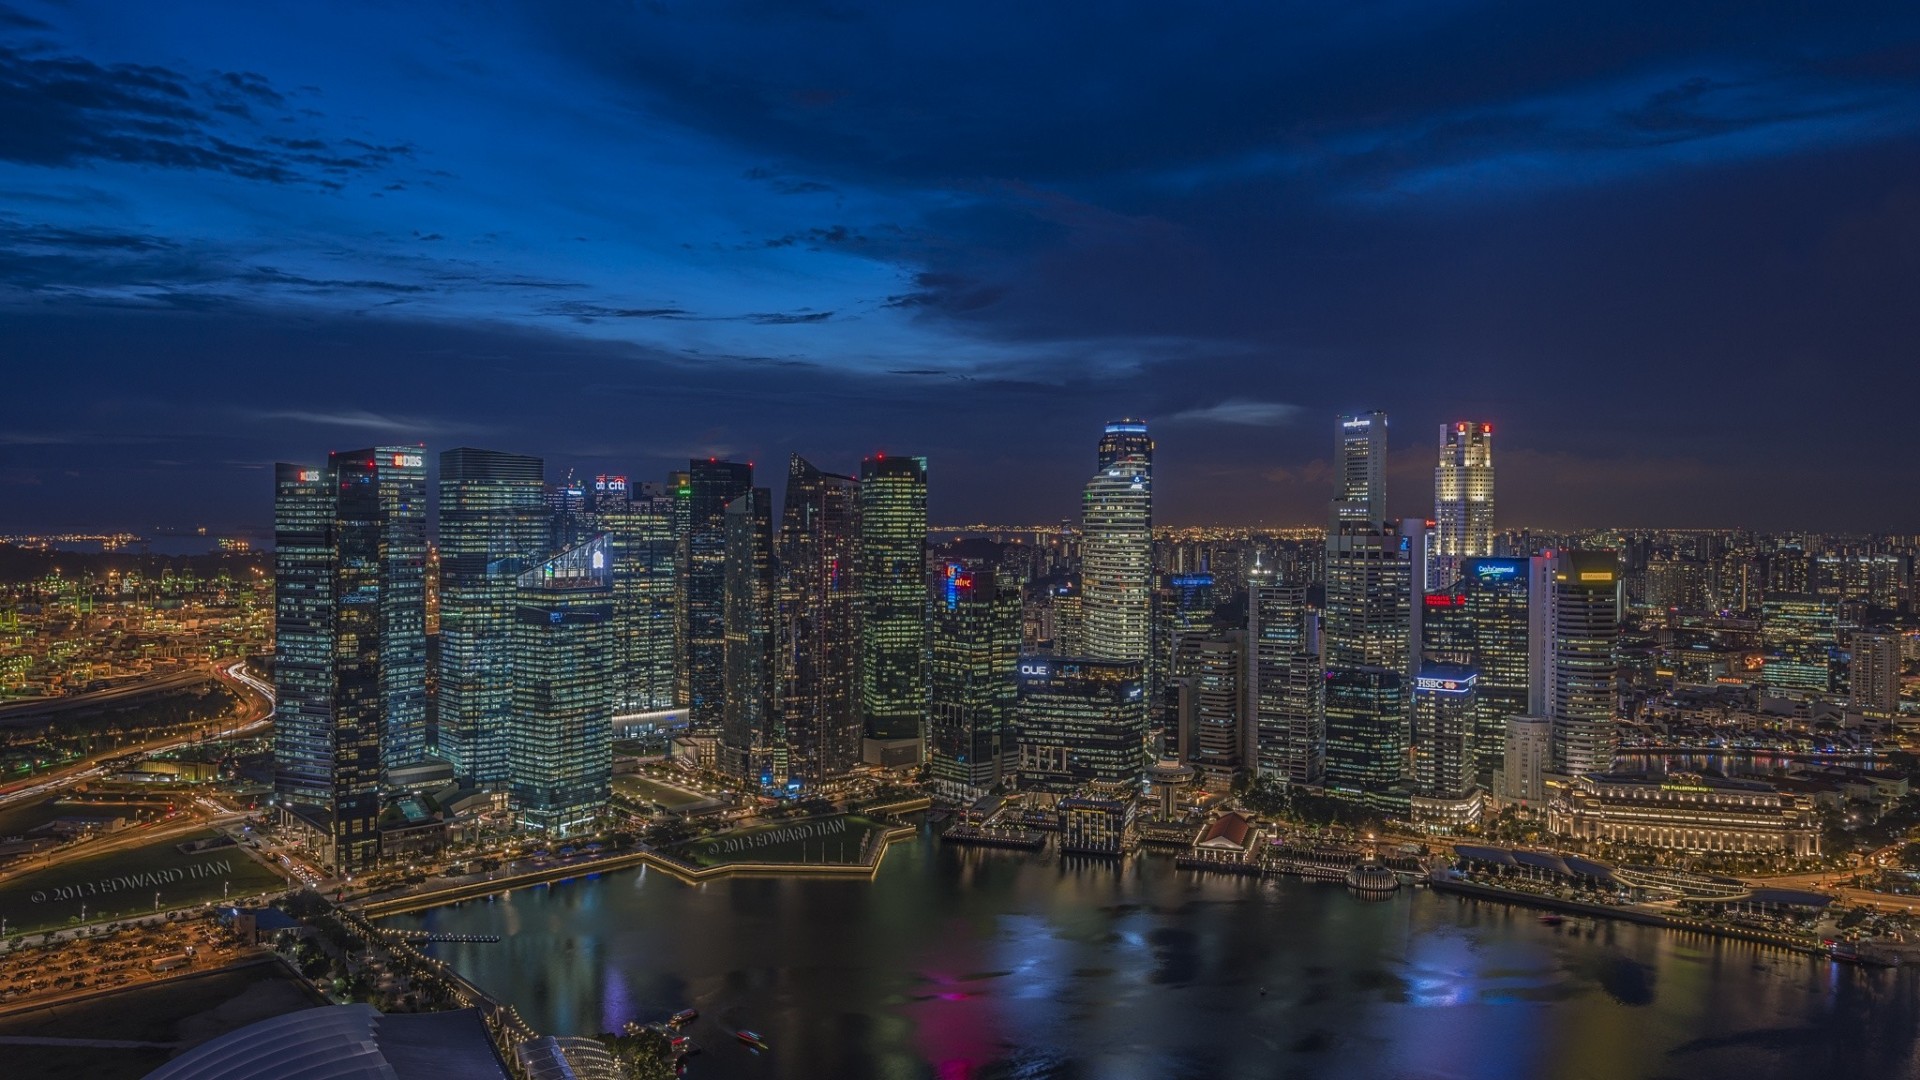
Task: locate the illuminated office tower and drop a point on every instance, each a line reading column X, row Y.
column 560, row 752
column 569, row 503
column 1799, row 634
column 1284, row 686
column 1586, row 662
column 752, row 743
column 1360, row 471
column 711, row 486
column 1366, row 725
column 1462, row 499
column 893, row 619
column 1445, row 761
column 1873, row 673
column 1508, row 602
column 1080, row 722
column 819, row 646
column 350, row 640
column 639, row 524
column 493, row 525
column 976, row 648
column 1125, row 438
column 1182, row 608
column 1116, row 547
column 680, row 490
column 1213, row 735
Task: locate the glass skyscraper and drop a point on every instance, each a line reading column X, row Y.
column 753, row 744
column 893, row 617
column 1366, row 718
column 494, row 523
column 350, row 630
column 560, row 753
column 1080, row 722
column 639, row 524
column 819, row 602
column 1284, row 691
column 1116, row 547
column 1586, row 662
column 976, row 648
column 711, row 485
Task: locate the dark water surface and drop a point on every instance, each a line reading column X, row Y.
column 972, row 963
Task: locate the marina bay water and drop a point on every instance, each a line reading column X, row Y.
column 971, row 964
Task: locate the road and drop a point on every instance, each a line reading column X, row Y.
column 256, row 694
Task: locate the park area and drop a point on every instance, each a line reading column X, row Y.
column 839, row 840
column 125, row 883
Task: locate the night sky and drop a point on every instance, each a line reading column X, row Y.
column 1674, row 258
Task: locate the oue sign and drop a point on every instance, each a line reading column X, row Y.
column 1033, row 670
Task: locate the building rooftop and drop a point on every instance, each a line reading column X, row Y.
column 346, row 1042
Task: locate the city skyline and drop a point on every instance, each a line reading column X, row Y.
column 1697, row 234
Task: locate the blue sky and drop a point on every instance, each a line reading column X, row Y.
column 1671, row 255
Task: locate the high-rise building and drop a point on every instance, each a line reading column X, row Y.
column 1116, row 547
column 1511, row 647
column 893, row 617
column 819, row 647
column 494, row 524
column 638, row 521
column 1080, row 721
column 1360, row 472
column 1586, row 661
column 1800, row 634
column 976, row 650
column 350, row 640
column 1183, row 607
column 753, row 745
column 1214, row 736
column 711, row 486
column 1445, row 763
column 560, row 752
column 1462, row 499
column 1366, row 725
column 1284, row 686
column 569, row 504
column 1527, row 759
column 680, row 490
column 1873, row 673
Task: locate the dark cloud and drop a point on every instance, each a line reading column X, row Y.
column 788, row 318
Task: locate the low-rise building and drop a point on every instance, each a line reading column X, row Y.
column 1685, row 812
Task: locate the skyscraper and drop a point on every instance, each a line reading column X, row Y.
column 711, row 486
column 493, row 525
column 1360, row 471
column 1800, row 634
column 1284, row 686
column 350, row 629
column 819, row 598
column 1368, row 625
column 1873, row 673
column 1116, row 551
column 560, row 752
column 1214, row 736
column 639, row 524
column 1445, row 760
column 1586, row 663
column 380, row 535
column 753, row 745
column 976, row 648
column 1080, row 722
column 893, row 618
column 1462, row 499
column 1507, row 603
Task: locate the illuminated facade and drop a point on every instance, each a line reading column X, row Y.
column 976, row 650
column 1462, row 499
column 560, row 753
column 1682, row 812
column 1212, row 704
column 638, row 522
column 1800, row 635
column 893, row 617
column 1360, row 472
column 711, row 485
column 1585, row 686
column 1508, row 602
column 819, row 647
column 1873, row 673
column 1080, row 721
column 1116, row 550
column 493, row 525
column 1284, row 686
column 350, row 666
column 1445, row 758
column 1366, row 725
column 752, row 743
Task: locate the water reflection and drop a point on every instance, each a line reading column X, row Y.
column 979, row 964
